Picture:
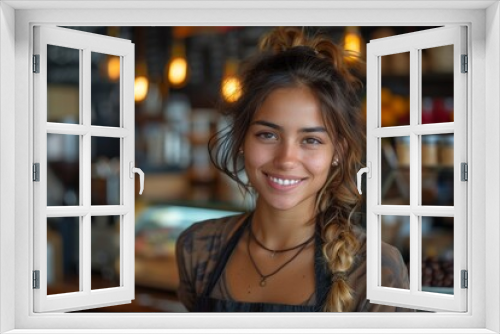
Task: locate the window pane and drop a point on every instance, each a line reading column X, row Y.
column 105, row 189
column 395, row 171
column 63, row 255
column 437, row 254
column 63, row 82
column 437, row 169
column 437, row 84
column 105, row 89
column 395, row 95
column 105, row 248
column 63, row 169
column 395, row 231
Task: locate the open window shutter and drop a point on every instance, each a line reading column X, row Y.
column 422, row 293
column 76, row 135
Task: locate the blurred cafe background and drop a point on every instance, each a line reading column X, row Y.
column 180, row 75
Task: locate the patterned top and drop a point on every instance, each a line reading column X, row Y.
column 199, row 249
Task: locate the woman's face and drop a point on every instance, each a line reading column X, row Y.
column 288, row 151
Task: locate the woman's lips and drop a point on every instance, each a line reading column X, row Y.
column 281, row 182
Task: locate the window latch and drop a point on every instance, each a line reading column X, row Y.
column 368, row 171
column 133, row 170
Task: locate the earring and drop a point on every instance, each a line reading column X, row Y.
column 241, row 151
column 335, row 162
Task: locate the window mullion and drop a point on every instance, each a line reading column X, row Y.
column 415, row 171
column 85, row 255
column 66, row 129
column 85, row 235
column 433, row 128
column 108, row 131
column 415, row 253
column 415, row 89
column 81, row 137
column 419, row 129
column 85, row 87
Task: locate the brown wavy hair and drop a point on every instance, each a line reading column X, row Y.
column 287, row 57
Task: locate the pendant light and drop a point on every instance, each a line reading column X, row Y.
column 141, row 84
column 231, row 85
column 112, row 67
column 352, row 44
column 177, row 68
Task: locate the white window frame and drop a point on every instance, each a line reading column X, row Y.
column 483, row 21
column 414, row 211
column 85, row 43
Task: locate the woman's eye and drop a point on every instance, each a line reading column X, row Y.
column 312, row 141
column 266, row 135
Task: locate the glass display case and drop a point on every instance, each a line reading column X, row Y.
column 156, row 232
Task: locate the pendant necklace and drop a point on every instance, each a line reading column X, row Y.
column 274, row 251
column 263, row 278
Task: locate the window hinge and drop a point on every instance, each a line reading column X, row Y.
column 36, row 63
column 464, row 171
column 36, row 279
column 465, row 279
column 465, row 64
column 36, row 172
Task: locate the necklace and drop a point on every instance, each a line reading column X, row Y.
column 274, row 251
column 263, row 278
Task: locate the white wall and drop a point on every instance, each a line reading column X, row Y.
column 492, row 161
column 7, row 162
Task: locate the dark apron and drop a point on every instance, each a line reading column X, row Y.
column 205, row 303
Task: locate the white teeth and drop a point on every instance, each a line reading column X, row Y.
column 283, row 182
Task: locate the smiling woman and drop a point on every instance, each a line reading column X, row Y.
column 295, row 132
column 288, row 153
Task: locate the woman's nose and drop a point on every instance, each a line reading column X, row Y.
column 287, row 156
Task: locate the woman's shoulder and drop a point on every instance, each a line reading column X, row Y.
column 390, row 255
column 197, row 251
column 394, row 269
column 211, row 232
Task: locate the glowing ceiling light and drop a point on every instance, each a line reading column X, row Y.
column 113, row 68
column 352, row 43
column 141, row 86
column 231, row 89
column 231, row 85
column 177, row 71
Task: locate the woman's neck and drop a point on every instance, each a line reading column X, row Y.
column 279, row 229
